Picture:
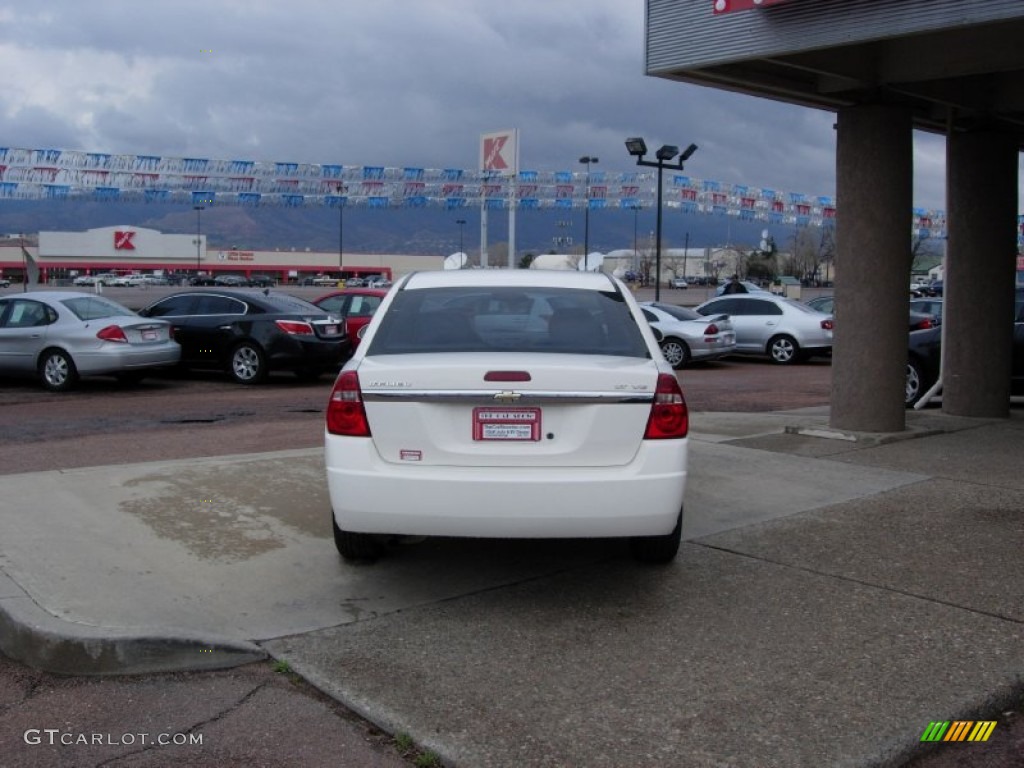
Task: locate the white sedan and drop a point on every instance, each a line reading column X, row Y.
column 507, row 404
column 688, row 336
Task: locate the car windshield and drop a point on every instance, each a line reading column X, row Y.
column 508, row 319
column 95, row 308
column 679, row 313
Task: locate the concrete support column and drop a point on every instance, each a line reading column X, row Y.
column 874, row 186
column 981, row 175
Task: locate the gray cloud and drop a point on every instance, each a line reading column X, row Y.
column 389, row 82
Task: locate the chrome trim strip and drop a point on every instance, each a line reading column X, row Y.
column 494, row 397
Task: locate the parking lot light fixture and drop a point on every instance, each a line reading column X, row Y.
column 637, row 148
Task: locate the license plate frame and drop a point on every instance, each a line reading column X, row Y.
column 514, row 424
column 150, row 336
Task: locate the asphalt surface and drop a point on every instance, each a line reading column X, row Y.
column 835, row 594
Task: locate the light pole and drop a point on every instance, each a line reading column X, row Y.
column 462, row 224
column 24, row 263
column 587, row 160
column 637, row 148
column 636, row 253
column 340, row 189
column 199, row 238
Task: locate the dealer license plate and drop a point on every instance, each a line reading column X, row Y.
column 515, row 424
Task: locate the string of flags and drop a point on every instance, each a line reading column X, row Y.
column 56, row 174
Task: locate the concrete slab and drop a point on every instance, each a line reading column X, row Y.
column 940, row 541
column 828, row 605
column 730, row 485
column 721, row 659
column 239, row 548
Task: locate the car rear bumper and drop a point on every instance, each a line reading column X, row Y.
column 114, row 357
column 292, row 354
column 642, row 498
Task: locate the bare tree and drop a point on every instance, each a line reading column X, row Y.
column 925, row 253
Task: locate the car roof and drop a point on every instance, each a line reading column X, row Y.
column 354, row 292
column 57, row 295
column 274, row 302
column 524, row 278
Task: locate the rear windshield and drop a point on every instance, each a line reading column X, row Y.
column 283, row 302
column 95, row 308
column 679, row 313
column 508, row 319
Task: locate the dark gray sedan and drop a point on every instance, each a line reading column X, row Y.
column 61, row 335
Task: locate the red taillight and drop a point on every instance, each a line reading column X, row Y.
column 923, row 324
column 345, row 412
column 112, row 333
column 711, row 330
column 669, row 417
column 827, row 325
column 295, row 327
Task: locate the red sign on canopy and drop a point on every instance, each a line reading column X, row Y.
column 728, row 6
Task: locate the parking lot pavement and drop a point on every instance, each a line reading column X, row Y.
column 833, row 597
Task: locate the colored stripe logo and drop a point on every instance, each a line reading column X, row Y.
column 959, row 730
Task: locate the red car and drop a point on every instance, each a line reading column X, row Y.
column 356, row 305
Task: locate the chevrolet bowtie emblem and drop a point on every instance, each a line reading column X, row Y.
column 507, row 397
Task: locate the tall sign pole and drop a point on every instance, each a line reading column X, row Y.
column 499, row 156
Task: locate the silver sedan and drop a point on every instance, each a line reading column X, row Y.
column 687, row 336
column 61, row 335
column 785, row 330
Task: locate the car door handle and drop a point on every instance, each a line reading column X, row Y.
column 223, row 327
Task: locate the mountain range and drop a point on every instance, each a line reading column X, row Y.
column 392, row 230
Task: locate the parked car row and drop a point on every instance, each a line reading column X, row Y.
column 120, row 281
column 59, row 336
column 233, row 281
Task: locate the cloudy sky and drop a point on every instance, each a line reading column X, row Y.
column 389, row 82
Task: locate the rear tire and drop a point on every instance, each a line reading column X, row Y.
column 658, row 549
column 248, row 363
column 355, row 546
column 57, row 371
column 676, row 353
column 783, row 350
column 917, row 383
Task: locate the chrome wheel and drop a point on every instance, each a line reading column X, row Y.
column 247, row 364
column 783, row 350
column 914, row 384
column 676, row 353
column 57, row 371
